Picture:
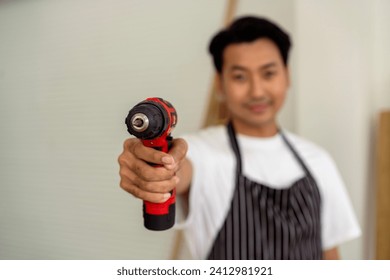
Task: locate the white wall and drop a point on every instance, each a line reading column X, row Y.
column 343, row 79
column 69, row 73
column 71, row 70
column 381, row 55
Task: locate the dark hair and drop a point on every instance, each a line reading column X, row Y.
column 248, row 29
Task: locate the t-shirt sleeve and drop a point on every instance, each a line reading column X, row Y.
column 339, row 223
column 193, row 154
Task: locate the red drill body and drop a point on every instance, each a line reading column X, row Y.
column 152, row 121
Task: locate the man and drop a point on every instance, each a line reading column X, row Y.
column 254, row 190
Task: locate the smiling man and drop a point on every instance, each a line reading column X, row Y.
column 253, row 82
column 255, row 190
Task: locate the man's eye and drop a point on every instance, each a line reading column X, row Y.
column 269, row 74
column 238, row 77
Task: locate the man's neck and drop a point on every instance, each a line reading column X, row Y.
column 264, row 130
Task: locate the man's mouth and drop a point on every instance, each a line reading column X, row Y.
column 258, row 107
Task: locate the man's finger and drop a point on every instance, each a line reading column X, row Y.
column 145, row 153
column 176, row 154
column 147, row 196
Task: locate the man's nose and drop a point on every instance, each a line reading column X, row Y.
column 257, row 88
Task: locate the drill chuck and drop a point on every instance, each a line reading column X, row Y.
column 139, row 122
column 147, row 120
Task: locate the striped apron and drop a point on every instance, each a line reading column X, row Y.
column 267, row 223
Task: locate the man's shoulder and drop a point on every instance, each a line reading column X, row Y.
column 308, row 148
column 211, row 141
column 209, row 135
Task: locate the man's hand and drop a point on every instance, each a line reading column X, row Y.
column 145, row 181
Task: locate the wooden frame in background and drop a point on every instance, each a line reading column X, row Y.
column 383, row 187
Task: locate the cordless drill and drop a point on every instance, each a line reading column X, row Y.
column 152, row 121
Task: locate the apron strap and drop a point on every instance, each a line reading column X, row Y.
column 234, row 145
column 296, row 155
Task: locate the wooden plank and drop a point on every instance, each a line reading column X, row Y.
column 383, row 188
column 216, row 111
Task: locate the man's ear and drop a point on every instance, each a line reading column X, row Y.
column 219, row 87
column 288, row 76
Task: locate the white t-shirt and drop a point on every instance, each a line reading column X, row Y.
column 268, row 161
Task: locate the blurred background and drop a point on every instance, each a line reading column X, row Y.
column 70, row 70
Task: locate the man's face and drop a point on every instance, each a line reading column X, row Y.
column 254, row 81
